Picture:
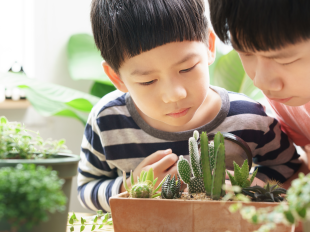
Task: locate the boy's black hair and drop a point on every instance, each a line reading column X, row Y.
column 261, row 25
column 126, row 28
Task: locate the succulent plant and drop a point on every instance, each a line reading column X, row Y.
column 144, row 188
column 268, row 193
column 241, row 176
column 208, row 169
column 171, row 188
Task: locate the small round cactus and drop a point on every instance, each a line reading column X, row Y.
column 142, row 190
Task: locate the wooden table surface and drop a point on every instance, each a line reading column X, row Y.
column 88, row 227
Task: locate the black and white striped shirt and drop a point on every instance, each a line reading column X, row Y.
column 116, row 138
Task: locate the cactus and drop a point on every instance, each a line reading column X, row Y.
column 265, row 194
column 145, row 186
column 171, row 188
column 241, row 175
column 208, row 169
column 195, row 183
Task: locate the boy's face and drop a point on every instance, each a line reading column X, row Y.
column 283, row 75
column 169, row 83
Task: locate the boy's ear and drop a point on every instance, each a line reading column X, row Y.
column 211, row 47
column 115, row 78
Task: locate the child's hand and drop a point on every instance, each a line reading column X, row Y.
column 162, row 162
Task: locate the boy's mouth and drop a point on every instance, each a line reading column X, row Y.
column 281, row 100
column 179, row 113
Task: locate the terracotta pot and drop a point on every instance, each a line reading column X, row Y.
column 133, row 215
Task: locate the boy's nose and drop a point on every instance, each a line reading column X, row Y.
column 174, row 93
column 267, row 80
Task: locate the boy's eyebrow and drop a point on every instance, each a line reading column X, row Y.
column 186, row 58
column 148, row 72
column 142, row 73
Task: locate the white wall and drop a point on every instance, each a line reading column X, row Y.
column 47, row 26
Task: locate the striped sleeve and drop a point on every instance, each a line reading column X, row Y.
column 273, row 152
column 97, row 181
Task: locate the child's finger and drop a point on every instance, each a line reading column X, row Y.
column 156, row 156
column 165, row 163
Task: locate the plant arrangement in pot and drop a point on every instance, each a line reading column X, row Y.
column 292, row 212
column 19, row 145
column 176, row 211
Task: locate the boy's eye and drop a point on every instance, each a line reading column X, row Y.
column 187, row 70
column 147, row 83
column 289, row 62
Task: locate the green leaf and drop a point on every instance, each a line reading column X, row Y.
column 49, row 99
column 302, row 212
column 253, row 176
column 84, row 59
column 237, row 174
column 71, row 228
column 232, row 179
column 3, row 120
column 82, row 228
column 244, row 170
column 100, row 89
column 150, row 175
column 100, row 226
column 82, row 221
column 71, row 221
column 228, row 73
column 94, row 227
column 132, row 179
column 289, row 216
column 95, row 220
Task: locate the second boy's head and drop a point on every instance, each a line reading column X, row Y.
column 159, row 51
column 273, row 40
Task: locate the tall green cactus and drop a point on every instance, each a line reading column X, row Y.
column 208, row 169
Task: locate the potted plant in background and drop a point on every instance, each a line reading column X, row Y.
column 27, row 194
column 21, row 146
column 201, row 209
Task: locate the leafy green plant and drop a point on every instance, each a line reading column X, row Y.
column 27, row 193
column 227, row 72
column 171, row 188
column 265, row 194
column 16, row 142
column 50, row 99
column 241, row 176
column 208, row 169
column 144, row 188
column 99, row 220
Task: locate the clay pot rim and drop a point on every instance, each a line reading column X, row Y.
column 122, row 197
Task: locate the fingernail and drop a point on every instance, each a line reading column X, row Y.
column 168, row 151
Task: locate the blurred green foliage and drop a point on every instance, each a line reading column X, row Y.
column 27, row 193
